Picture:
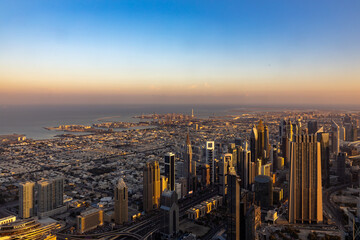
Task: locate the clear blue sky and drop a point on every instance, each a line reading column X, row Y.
column 198, row 51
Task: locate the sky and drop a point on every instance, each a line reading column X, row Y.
column 198, row 51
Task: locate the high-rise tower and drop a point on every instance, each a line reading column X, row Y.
column 335, row 138
column 233, row 205
column 261, row 141
column 324, row 139
column 26, row 200
column 312, row 127
column 189, row 165
column 224, row 169
column 305, row 201
column 170, row 170
column 254, row 144
column 210, row 159
column 50, row 194
column 121, row 202
column 151, row 186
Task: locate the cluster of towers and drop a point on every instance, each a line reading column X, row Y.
column 41, row 199
column 244, row 167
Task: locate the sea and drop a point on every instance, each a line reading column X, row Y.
column 31, row 120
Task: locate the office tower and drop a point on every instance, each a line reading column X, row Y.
column 164, row 181
column 252, row 172
column 232, row 149
column 26, row 200
column 170, row 208
column 351, row 127
column 305, row 201
column 50, row 194
column 258, row 167
column 58, row 191
column 244, row 167
column 285, row 150
column 188, row 158
column 210, row 159
column 254, row 144
column 282, row 129
column 286, row 130
column 151, row 186
column 264, row 191
column 278, row 195
column 324, row 139
column 89, row 220
column 44, row 196
column 335, row 138
column 233, row 207
column 238, row 142
column 205, row 175
column 297, row 127
column 170, row 169
column 266, row 169
column 274, row 155
column 261, row 141
column 342, row 133
column 312, row 126
column 266, row 142
column 252, row 222
column 280, row 163
column 121, row 202
column 225, row 168
column 340, row 166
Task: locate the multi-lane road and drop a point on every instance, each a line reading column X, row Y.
column 146, row 226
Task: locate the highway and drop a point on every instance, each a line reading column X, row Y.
column 332, row 209
column 145, row 226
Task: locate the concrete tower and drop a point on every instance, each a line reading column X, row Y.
column 305, row 200
column 170, row 170
column 254, row 144
column 335, row 138
column 210, row 159
column 170, row 208
column 121, row 202
column 233, row 207
column 151, row 186
column 26, row 200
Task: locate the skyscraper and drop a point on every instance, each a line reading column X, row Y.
column 324, row 139
column 305, row 201
column 261, row 141
column 121, row 202
column 224, row 169
column 170, row 208
column 26, row 200
column 340, row 166
column 335, row 138
column 190, row 166
column 210, row 159
column 312, row 127
column 170, row 170
column 45, row 196
column 151, row 186
column 244, row 167
column 254, row 144
column 266, row 142
column 50, row 194
column 264, row 190
column 233, row 203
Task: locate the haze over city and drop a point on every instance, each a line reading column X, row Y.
column 249, row 52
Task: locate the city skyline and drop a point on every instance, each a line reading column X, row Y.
column 182, row 52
